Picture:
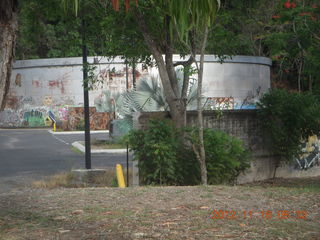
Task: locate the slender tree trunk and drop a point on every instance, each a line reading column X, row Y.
column 310, row 83
column 201, row 152
column 8, row 28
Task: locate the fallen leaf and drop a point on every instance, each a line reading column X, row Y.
column 242, row 225
column 77, row 212
column 139, row 235
column 225, row 236
column 63, row 231
column 109, row 213
column 60, row 218
column 204, row 207
column 179, row 207
column 169, row 223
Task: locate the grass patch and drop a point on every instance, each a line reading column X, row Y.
column 108, row 144
column 70, row 180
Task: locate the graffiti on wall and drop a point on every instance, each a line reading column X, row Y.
column 63, row 113
column 250, row 100
column 26, row 100
column 219, row 103
column 10, row 118
column 34, row 118
column 115, row 80
column 71, row 118
column 98, row 120
column 310, row 155
column 12, row 101
column 47, row 100
column 59, row 83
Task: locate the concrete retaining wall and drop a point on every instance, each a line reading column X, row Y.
column 244, row 125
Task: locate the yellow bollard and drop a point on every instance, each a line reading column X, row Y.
column 120, row 176
column 54, row 127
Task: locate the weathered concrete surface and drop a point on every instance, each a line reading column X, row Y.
column 81, row 176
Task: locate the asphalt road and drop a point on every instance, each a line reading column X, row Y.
column 28, row 154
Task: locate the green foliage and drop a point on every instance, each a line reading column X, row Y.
column 156, row 149
column 189, row 15
column 44, row 31
column 289, row 118
column 293, row 40
column 165, row 159
column 226, row 157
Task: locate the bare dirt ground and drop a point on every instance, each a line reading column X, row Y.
column 286, row 209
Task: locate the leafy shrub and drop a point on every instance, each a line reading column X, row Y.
column 287, row 119
column 226, row 157
column 165, row 158
column 157, row 150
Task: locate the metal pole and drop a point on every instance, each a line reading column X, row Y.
column 86, row 98
column 127, row 87
column 127, row 165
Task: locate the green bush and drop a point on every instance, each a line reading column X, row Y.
column 287, row 119
column 226, row 157
column 166, row 158
column 160, row 153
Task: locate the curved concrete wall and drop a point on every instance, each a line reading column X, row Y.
column 43, row 85
column 239, row 81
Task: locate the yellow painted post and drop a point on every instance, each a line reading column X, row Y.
column 120, row 176
column 54, row 127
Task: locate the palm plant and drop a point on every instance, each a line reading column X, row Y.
column 147, row 97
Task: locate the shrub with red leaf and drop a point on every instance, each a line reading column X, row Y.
column 287, row 4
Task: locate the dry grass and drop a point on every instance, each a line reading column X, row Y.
column 164, row 212
column 55, row 181
column 68, row 180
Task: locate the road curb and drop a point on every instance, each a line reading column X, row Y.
column 81, row 148
column 77, row 132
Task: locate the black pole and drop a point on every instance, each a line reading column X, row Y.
column 127, row 87
column 86, row 97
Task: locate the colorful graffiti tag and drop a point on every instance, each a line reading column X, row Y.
column 310, row 155
column 219, row 103
column 34, row 118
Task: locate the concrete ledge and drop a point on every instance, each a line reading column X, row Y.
column 81, row 148
column 77, row 132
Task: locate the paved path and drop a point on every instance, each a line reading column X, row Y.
column 28, row 154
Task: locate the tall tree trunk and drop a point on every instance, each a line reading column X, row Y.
column 201, row 152
column 8, row 28
column 166, row 71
